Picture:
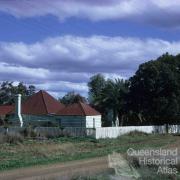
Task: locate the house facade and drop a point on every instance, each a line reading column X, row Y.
column 41, row 109
column 38, row 110
column 4, row 111
column 79, row 115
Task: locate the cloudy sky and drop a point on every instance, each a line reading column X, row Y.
column 58, row 44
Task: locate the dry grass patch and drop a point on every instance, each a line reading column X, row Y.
column 33, row 152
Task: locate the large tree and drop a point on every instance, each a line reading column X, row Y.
column 72, row 97
column 31, row 90
column 155, row 90
column 113, row 97
column 95, row 85
column 108, row 96
column 8, row 91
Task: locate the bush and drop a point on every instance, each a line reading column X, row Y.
column 137, row 133
column 2, row 138
column 11, row 137
column 91, row 178
column 48, row 132
column 29, row 132
column 50, row 135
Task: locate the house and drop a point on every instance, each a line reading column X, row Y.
column 79, row 115
column 4, row 110
column 39, row 109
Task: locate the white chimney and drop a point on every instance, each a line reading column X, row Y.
column 18, row 108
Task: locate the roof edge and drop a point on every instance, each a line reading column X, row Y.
column 42, row 93
column 81, row 106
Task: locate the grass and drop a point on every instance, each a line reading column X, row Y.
column 91, row 178
column 34, row 152
column 150, row 175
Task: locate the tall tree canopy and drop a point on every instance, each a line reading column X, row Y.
column 71, row 98
column 95, row 85
column 8, row 90
column 113, row 97
column 155, row 90
column 108, row 96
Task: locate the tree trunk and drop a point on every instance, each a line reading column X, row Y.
column 115, row 118
column 122, row 120
column 167, row 128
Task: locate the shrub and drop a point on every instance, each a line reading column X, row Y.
column 2, row 138
column 14, row 137
column 29, row 132
column 48, row 132
column 91, row 178
column 11, row 137
column 137, row 133
column 54, row 134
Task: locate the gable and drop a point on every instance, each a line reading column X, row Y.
column 41, row 103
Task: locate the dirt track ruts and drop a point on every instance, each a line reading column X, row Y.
column 60, row 171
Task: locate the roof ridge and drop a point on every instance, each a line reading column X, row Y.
column 42, row 93
column 81, row 106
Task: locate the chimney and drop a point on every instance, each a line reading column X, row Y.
column 18, row 108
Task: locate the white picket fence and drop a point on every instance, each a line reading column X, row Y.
column 98, row 133
column 114, row 132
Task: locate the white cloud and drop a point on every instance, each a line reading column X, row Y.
column 22, row 72
column 60, row 88
column 158, row 12
column 66, row 62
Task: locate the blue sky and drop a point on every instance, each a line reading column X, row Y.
column 57, row 45
column 30, row 30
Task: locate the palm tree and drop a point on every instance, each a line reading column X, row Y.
column 112, row 97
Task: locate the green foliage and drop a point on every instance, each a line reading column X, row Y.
column 8, row 90
column 151, row 96
column 71, row 98
column 98, row 177
column 11, row 138
column 113, row 97
column 29, row 132
column 96, row 84
column 137, row 133
column 108, row 96
column 31, row 90
column 36, row 152
column 155, row 90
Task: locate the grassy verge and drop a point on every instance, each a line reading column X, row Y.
column 33, row 152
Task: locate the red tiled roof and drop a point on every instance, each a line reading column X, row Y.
column 5, row 109
column 41, row 103
column 78, row 109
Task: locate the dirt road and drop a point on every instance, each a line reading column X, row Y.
column 61, row 171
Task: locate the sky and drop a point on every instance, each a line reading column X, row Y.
column 57, row 45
